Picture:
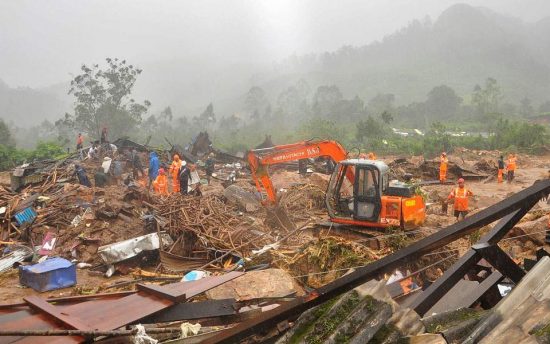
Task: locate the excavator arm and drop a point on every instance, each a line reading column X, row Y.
column 260, row 159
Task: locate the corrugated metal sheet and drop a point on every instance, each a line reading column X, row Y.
column 18, row 254
column 526, row 308
column 26, row 216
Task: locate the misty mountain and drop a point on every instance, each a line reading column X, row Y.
column 25, row 107
column 460, row 49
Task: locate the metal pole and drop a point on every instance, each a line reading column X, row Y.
column 86, row 333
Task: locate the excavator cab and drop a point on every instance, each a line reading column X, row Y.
column 360, row 193
column 355, row 190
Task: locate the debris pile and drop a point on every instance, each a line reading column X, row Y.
column 318, row 262
column 303, row 201
column 213, row 224
column 199, row 242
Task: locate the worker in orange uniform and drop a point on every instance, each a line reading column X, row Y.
column 174, row 172
column 511, row 167
column 160, row 185
column 501, row 166
column 443, row 164
column 371, row 156
column 460, row 196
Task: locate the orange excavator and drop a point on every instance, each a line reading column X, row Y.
column 359, row 192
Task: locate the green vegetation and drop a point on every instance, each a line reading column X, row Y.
column 542, row 333
column 326, row 325
column 397, row 239
column 305, row 328
column 452, row 319
column 443, row 121
column 10, row 156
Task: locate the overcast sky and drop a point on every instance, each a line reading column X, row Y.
column 42, row 42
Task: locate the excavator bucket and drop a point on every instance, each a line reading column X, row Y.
column 277, row 217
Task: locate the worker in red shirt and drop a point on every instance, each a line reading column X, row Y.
column 460, row 196
column 79, row 142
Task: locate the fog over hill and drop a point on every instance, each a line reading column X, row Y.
column 460, row 48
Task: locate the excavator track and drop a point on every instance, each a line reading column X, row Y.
column 371, row 237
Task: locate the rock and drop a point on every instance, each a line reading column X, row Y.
column 245, row 200
column 256, row 284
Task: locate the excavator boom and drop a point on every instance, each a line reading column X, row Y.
column 259, row 159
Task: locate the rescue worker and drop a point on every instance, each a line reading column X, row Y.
column 103, row 135
column 184, row 176
column 511, row 167
column 93, row 152
column 81, row 175
column 160, row 185
column 371, row 156
column 79, row 142
column 209, row 167
column 174, row 172
column 460, row 196
column 113, row 149
column 116, row 170
column 362, row 156
column 443, row 164
column 153, row 167
column 501, row 166
column 137, row 167
column 100, row 178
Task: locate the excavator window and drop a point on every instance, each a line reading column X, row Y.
column 340, row 191
column 366, row 185
column 367, row 200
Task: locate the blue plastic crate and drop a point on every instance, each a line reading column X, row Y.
column 26, row 216
column 54, row 273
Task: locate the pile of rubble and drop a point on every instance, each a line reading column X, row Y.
column 222, row 261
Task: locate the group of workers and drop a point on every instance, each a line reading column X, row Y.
column 179, row 170
column 510, row 166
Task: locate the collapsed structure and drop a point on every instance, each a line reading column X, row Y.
column 219, row 261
